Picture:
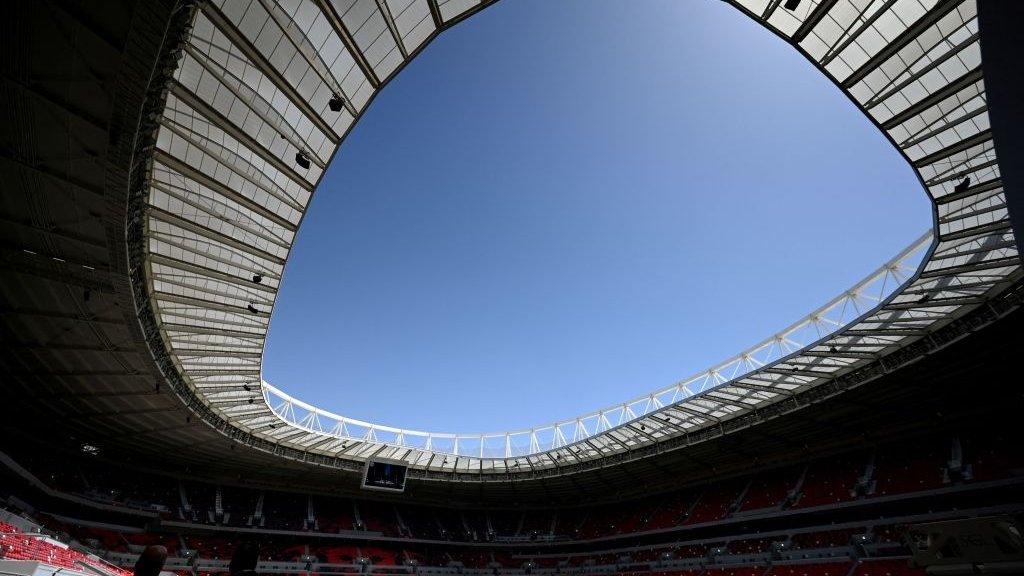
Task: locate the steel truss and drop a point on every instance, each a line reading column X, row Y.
column 256, row 100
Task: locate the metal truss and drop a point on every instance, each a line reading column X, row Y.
column 837, row 313
column 262, row 93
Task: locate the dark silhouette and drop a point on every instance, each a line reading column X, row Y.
column 243, row 562
column 151, row 561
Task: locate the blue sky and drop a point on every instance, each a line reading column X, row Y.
column 562, row 205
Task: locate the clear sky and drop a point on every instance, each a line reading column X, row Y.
column 560, row 205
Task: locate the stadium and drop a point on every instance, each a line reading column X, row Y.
column 158, row 159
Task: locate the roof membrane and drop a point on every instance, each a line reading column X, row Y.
column 265, row 92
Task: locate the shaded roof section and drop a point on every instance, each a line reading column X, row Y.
column 264, row 92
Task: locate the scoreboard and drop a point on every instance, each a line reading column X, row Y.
column 382, row 474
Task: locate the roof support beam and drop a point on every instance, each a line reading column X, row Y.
column 210, row 273
column 851, row 37
column 967, row 143
column 385, row 11
column 201, row 177
column 256, row 57
column 696, row 413
column 916, row 75
column 984, row 229
column 435, row 13
column 209, row 304
column 985, row 250
column 209, row 234
column 755, row 388
column 812, row 20
column 770, row 9
column 308, row 51
column 975, row 266
column 906, row 37
column 173, row 327
column 202, row 107
column 214, row 353
column 938, row 303
column 971, row 191
column 925, row 103
column 346, row 38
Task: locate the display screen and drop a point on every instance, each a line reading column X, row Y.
column 383, row 475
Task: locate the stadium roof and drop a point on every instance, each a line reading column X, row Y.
column 88, row 355
column 262, row 93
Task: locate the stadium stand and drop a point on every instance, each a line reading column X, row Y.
column 717, row 502
column 784, row 542
column 17, row 545
column 770, row 490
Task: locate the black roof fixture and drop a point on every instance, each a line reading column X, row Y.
column 336, row 103
column 246, row 387
column 257, row 278
column 962, row 186
column 252, row 308
column 791, row 4
column 302, row 160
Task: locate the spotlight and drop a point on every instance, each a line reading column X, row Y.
column 791, row 4
column 962, row 186
column 246, row 388
column 257, row 278
column 302, row 160
column 252, row 308
column 336, row 103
